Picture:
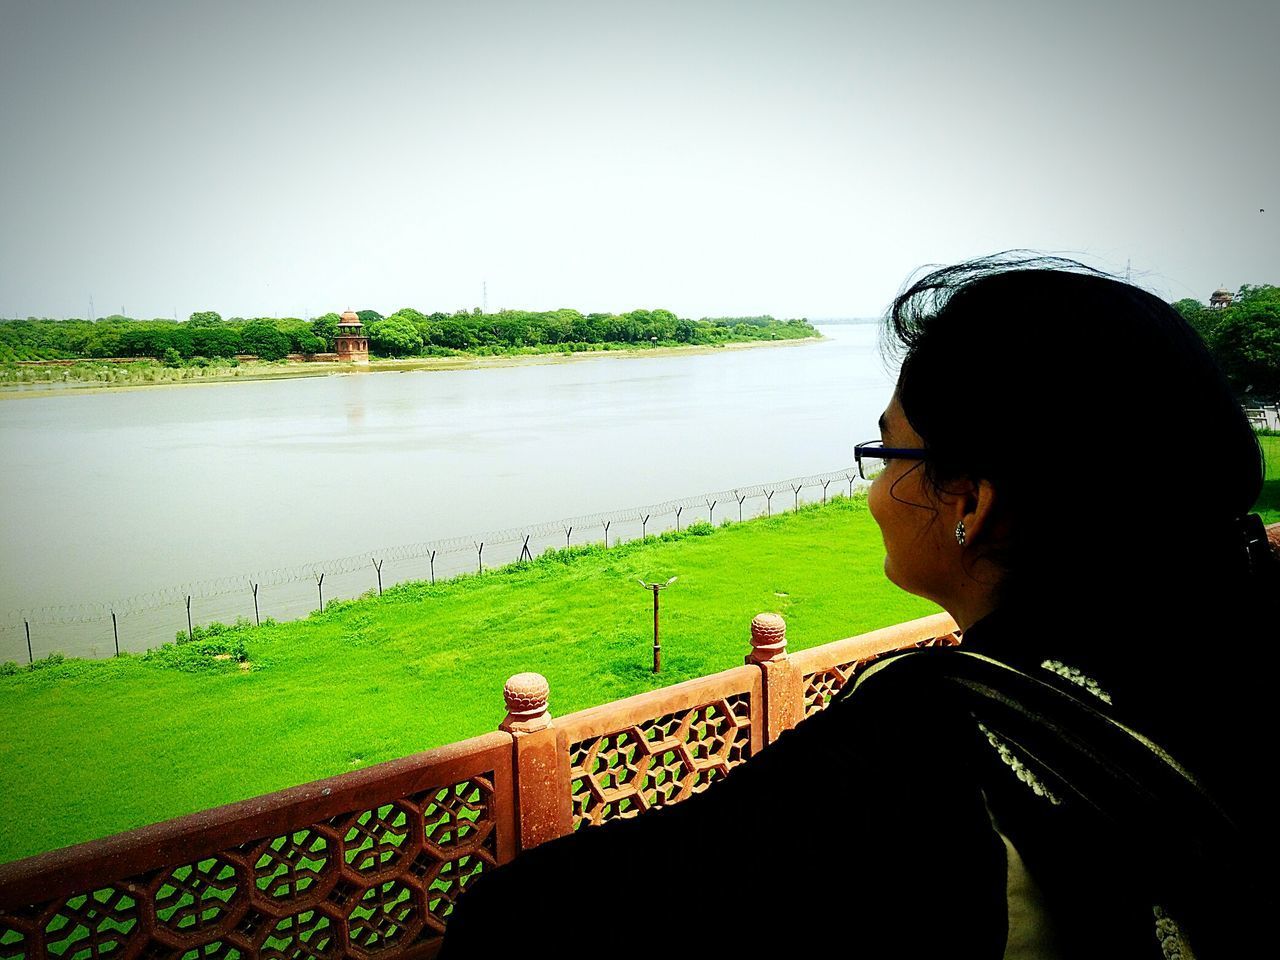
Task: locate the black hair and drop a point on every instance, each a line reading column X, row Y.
column 1122, row 466
column 1120, row 458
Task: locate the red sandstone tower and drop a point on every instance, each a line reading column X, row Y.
column 351, row 343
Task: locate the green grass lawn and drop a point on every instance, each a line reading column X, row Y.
column 93, row 747
column 89, row 748
column 1269, row 503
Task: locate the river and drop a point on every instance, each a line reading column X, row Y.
column 117, row 494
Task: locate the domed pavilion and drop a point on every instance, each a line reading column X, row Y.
column 351, row 343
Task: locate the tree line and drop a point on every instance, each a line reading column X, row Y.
column 405, row 333
column 1244, row 338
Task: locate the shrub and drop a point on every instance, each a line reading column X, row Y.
column 215, row 629
column 207, row 654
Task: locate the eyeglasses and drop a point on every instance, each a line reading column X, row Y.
column 876, row 450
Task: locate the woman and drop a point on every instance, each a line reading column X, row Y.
column 1066, row 472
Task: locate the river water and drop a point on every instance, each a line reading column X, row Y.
column 133, row 500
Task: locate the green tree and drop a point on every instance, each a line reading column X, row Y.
column 137, row 340
column 1202, row 321
column 103, row 343
column 205, row 318
column 427, row 330
column 591, row 328
column 180, row 340
column 325, row 329
column 370, row 316
column 454, row 333
column 302, row 338
column 261, row 338
column 1245, row 340
column 220, row 341
column 395, row 336
column 557, row 327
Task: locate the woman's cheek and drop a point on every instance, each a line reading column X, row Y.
column 875, row 500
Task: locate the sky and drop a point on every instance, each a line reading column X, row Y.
column 713, row 158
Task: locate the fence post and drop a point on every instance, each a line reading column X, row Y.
column 679, row 510
column 115, row 632
column 540, row 774
column 825, row 484
column 31, row 657
column 782, row 683
column 377, row 565
column 191, row 634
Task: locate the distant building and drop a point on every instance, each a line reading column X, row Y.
column 1221, row 299
column 351, row 343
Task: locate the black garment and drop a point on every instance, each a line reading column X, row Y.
column 870, row 824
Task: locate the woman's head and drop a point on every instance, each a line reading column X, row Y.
column 1106, row 438
column 926, row 527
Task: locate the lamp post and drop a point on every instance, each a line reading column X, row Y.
column 657, row 647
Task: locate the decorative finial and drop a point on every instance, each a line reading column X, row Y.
column 526, row 695
column 768, row 637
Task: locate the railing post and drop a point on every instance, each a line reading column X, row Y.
column 782, row 683
column 543, row 810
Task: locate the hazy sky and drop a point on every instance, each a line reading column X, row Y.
column 798, row 158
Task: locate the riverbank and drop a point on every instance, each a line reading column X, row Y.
column 121, row 377
column 251, row 710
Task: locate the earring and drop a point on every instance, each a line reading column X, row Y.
column 960, row 533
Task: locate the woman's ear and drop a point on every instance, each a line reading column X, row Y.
column 978, row 507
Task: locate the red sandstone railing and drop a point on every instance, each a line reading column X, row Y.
column 369, row 864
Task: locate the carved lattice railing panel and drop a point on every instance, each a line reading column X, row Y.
column 13, row 939
column 659, row 748
column 100, row 923
column 826, row 669
column 365, row 865
column 820, row 687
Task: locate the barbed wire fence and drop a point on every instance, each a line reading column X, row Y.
column 146, row 620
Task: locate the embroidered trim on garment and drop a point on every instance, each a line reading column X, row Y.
column 1078, row 678
column 1020, row 770
column 1173, row 945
